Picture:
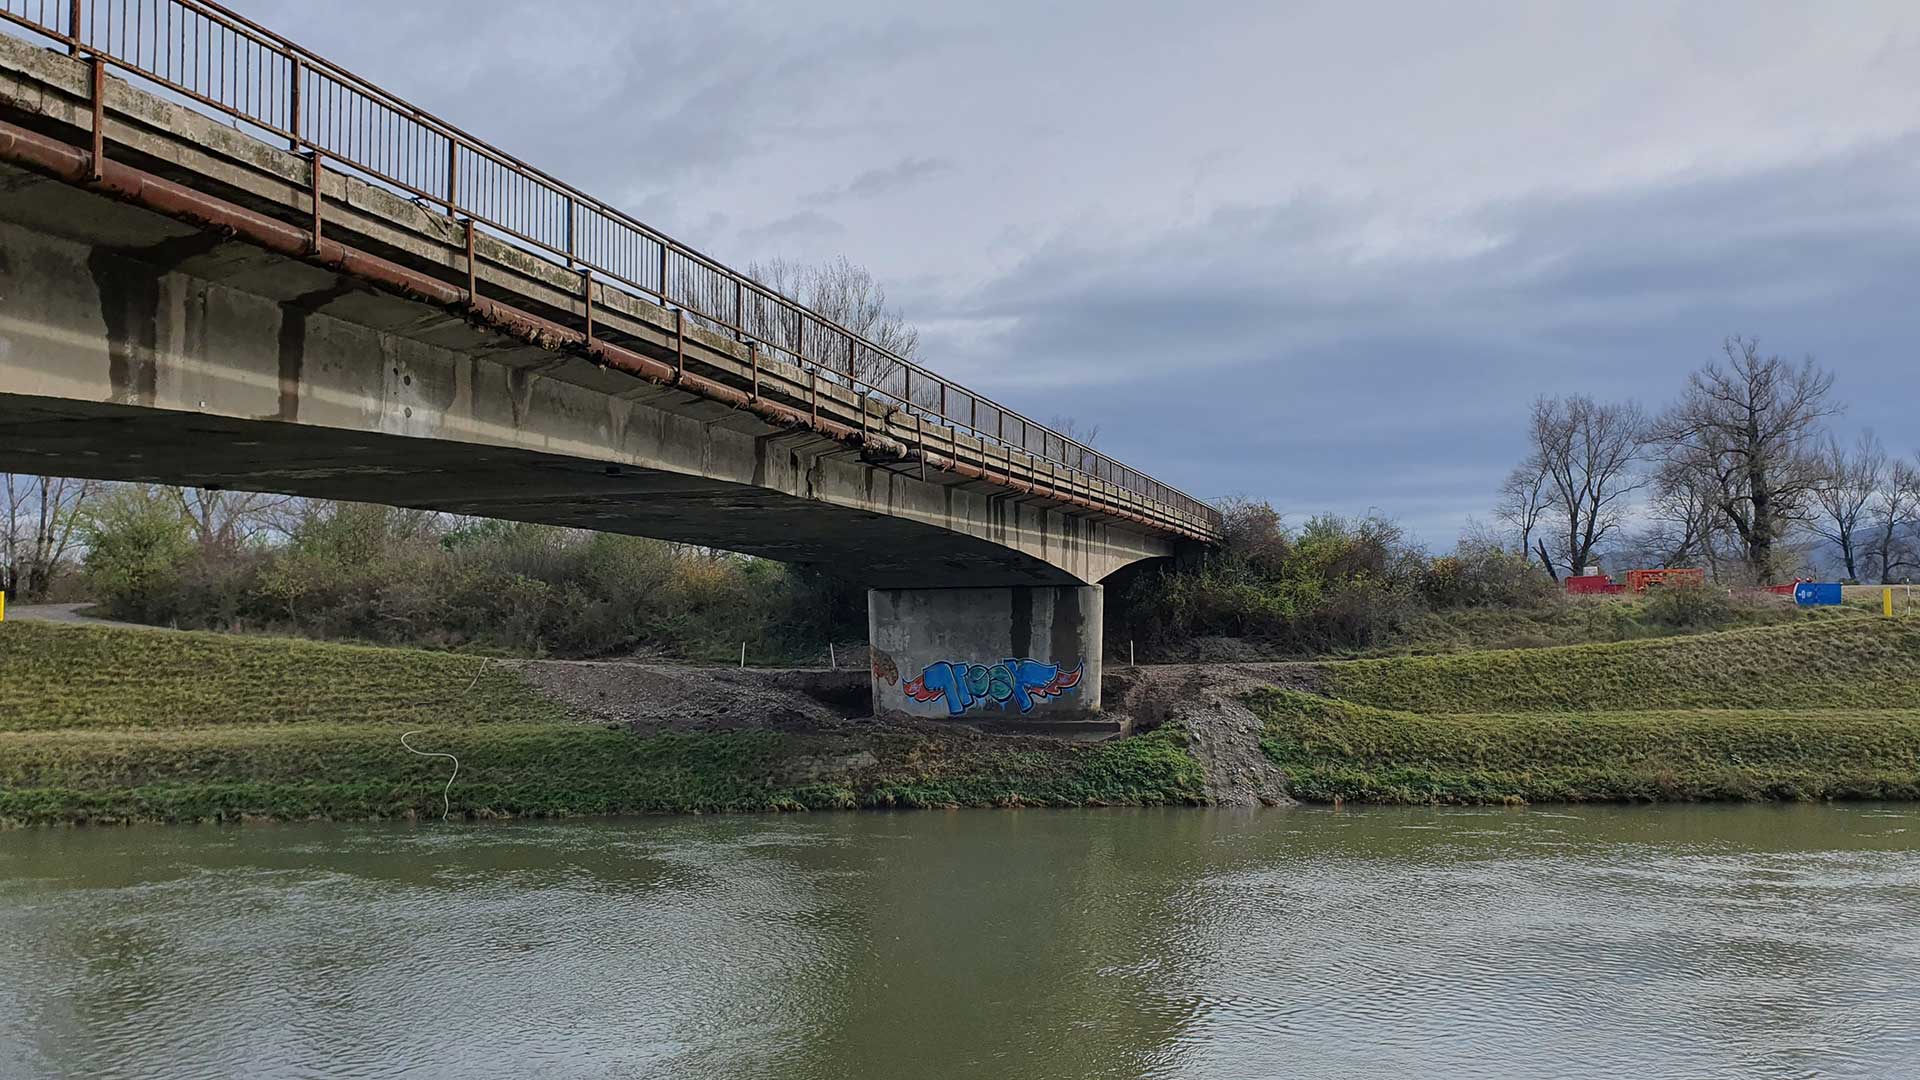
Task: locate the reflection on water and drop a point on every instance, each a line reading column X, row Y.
column 1680, row 941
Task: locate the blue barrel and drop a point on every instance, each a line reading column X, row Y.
column 1817, row 594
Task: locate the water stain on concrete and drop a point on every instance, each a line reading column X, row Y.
column 130, row 283
column 295, row 316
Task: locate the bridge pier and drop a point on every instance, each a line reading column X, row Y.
column 1019, row 656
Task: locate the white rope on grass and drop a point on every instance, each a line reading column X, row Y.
column 446, row 803
column 446, row 796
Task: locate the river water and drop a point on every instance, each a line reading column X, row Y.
column 1754, row 941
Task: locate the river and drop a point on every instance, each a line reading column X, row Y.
column 1747, row 941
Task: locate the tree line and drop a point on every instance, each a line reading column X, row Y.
column 1741, row 476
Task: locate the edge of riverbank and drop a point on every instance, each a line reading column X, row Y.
column 1813, row 711
column 107, row 725
column 110, row 725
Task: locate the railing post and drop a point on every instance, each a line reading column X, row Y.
column 98, row 166
column 739, row 309
column 586, row 302
column 453, row 175
column 295, row 109
column 663, row 273
column 73, row 28
column 316, row 169
column 473, row 282
column 679, row 345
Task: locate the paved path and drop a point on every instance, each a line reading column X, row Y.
column 66, row 613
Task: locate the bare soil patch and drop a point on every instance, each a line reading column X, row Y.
column 1205, row 699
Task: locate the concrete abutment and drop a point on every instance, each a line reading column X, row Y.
column 1020, row 656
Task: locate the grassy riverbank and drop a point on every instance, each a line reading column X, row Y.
column 109, row 725
column 112, row 725
column 1822, row 710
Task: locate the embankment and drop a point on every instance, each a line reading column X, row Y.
column 1812, row 711
column 110, row 725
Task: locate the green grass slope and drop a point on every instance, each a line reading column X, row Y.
column 121, row 725
column 1825, row 710
column 1856, row 663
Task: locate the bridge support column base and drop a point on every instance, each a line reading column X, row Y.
column 1025, row 658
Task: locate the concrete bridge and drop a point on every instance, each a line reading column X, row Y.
column 263, row 273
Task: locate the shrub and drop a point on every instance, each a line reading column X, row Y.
column 1337, row 584
column 1484, row 575
column 1690, row 607
column 371, row 573
column 137, row 544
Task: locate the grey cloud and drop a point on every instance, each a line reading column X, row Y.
column 904, row 173
column 1239, row 356
column 602, row 94
column 804, row 225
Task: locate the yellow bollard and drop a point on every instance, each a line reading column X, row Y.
column 3, row 605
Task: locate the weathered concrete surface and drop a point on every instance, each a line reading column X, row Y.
column 1026, row 654
column 112, row 367
column 135, row 347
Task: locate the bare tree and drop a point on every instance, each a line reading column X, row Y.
column 1853, row 480
column 42, row 521
column 225, row 520
column 1085, row 434
column 1747, row 431
column 1683, row 524
column 1586, row 453
column 1891, row 544
column 1523, row 503
column 847, row 294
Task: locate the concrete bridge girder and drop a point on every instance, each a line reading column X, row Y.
column 304, row 383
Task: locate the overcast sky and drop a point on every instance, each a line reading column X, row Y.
column 1323, row 254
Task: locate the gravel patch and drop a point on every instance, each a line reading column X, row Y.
column 1223, row 734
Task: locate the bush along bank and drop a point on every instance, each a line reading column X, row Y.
column 107, row 725
column 1821, row 711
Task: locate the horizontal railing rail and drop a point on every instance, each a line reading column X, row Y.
column 214, row 57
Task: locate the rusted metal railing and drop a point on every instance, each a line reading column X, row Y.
column 218, row 59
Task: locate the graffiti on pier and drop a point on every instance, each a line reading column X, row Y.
column 964, row 685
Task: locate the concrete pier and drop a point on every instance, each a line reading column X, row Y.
column 1023, row 655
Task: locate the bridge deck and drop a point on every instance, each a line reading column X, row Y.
column 767, row 356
